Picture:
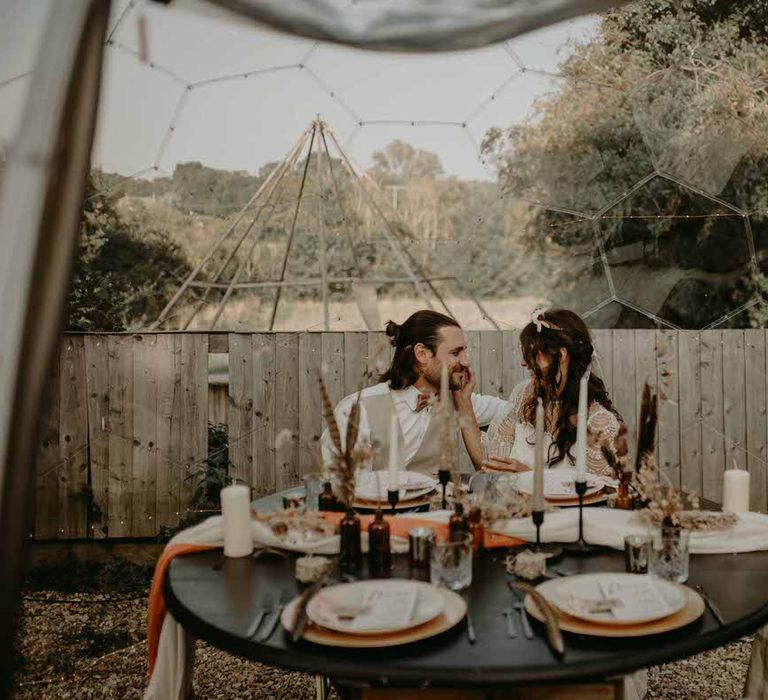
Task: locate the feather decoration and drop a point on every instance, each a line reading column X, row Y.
column 353, row 427
column 646, row 434
column 347, row 457
column 329, row 415
column 554, row 634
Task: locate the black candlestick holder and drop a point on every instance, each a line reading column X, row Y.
column 549, row 550
column 393, row 496
column 444, row 476
column 580, row 547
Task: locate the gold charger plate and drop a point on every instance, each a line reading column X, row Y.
column 454, row 610
column 690, row 612
column 384, row 505
column 598, row 497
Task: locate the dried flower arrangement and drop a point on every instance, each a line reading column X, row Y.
column 512, row 504
column 662, row 503
column 347, row 457
column 307, row 525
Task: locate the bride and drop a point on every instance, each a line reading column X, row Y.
column 557, row 350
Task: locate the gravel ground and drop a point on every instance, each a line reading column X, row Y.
column 91, row 646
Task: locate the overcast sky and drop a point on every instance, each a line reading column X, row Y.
column 243, row 122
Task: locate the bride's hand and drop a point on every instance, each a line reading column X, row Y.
column 503, row 464
column 462, row 398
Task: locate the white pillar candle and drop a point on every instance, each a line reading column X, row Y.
column 538, row 459
column 394, row 452
column 736, row 490
column 444, row 384
column 581, row 429
column 236, row 520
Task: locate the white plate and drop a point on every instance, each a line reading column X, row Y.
column 372, row 486
column 454, row 609
column 376, row 606
column 639, row 598
column 558, row 483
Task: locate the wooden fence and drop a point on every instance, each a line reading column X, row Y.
column 128, row 414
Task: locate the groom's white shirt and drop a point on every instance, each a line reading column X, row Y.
column 412, row 423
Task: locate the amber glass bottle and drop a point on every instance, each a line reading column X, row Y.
column 379, row 552
column 350, row 551
column 476, row 527
column 458, row 525
column 327, row 499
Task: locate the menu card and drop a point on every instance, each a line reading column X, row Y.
column 388, row 608
column 632, row 599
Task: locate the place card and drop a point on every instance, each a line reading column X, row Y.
column 386, row 608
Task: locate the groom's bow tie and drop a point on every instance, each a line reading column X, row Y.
column 422, row 402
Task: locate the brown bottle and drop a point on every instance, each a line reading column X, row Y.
column 476, row 527
column 327, row 499
column 350, row 551
column 379, row 552
column 458, row 526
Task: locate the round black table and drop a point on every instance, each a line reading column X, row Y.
column 216, row 599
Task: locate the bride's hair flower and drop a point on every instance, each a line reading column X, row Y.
column 538, row 320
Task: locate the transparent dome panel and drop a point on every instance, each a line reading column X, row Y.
column 560, row 155
column 676, row 254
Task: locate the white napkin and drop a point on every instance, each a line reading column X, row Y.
column 609, row 527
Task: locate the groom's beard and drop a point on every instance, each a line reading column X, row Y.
column 456, row 379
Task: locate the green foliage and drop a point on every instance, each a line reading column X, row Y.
column 122, row 277
column 211, row 476
column 672, row 86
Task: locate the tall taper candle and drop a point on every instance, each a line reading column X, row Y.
column 394, row 452
column 581, row 429
column 236, row 520
column 444, row 383
column 538, row 459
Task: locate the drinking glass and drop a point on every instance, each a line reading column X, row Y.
column 313, row 484
column 451, row 563
column 669, row 554
column 636, row 553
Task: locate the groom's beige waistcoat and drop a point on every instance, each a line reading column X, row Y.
column 380, row 408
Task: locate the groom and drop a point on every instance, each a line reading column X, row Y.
column 423, row 344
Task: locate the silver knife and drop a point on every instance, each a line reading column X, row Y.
column 511, row 631
column 710, row 604
column 527, row 631
column 470, row 629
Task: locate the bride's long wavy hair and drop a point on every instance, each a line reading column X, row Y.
column 553, row 330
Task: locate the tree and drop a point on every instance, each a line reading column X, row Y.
column 400, row 163
column 656, row 142
column 122, row 278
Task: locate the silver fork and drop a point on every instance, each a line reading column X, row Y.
column 520, row 607
column 274, row 617
column 511, row 631
column 266, row 606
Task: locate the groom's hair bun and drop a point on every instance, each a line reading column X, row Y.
column 392, row 330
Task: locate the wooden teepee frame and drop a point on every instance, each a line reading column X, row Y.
column 317, row 136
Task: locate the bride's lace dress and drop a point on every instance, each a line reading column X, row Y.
column 512, row 430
